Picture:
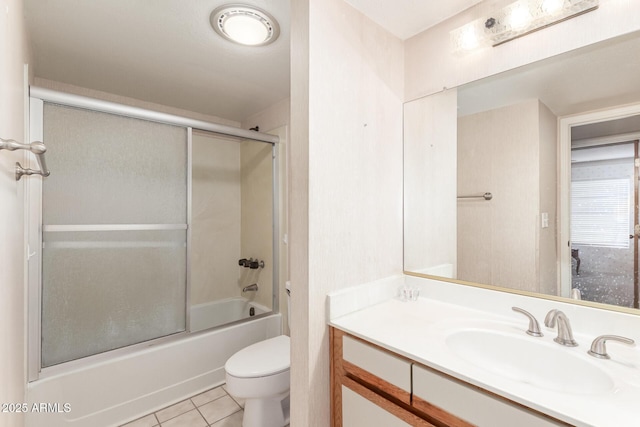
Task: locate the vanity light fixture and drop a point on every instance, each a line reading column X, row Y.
column 244, row 24
column 515, row 20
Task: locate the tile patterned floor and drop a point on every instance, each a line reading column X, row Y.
column 214, row 408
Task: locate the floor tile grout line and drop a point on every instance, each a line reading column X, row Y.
column 209, row 401
column 177, row 403
column 232, row 398
column 190, row 399
column 156, row 424
column 206, row 403
column 237, row 403
column 206, row 421
column 195, row 409
column 240, row 408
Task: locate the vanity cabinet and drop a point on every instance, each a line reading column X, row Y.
column 371, row 386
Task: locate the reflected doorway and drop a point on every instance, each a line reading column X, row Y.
column 604, row 212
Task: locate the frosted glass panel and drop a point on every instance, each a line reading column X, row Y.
column 108, row 288
column 112, row 170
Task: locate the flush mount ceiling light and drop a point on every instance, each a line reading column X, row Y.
column 515, row 20
column 245, row 24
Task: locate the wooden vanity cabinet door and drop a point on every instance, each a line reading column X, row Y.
column 370, row 386
column 377, row 367
column 358, row 411
column 435, row 392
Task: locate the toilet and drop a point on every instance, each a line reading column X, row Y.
column 260, row 373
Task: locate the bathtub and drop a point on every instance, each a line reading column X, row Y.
column 216, row 313
column 110, row 390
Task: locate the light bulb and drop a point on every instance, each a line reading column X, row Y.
column 552, row 6
column 246, row 29
column 519, row 17
column 469, row 39
column 244, row 24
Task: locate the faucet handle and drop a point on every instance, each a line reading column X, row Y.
column 534, row 328
column 599, row 349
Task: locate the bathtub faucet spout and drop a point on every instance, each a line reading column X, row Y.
column 253, row 287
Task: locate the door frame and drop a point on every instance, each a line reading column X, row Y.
column 565, row 124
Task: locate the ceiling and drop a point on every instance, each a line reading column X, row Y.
column 406, row 18
column 164, row 52
column 598, row 76
column 159, row 51
column 627, row 125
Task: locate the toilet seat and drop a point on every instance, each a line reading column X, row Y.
column 262, row 359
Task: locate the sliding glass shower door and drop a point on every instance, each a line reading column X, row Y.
column 114, row 227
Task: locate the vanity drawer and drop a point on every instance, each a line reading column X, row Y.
column 436, row 393
column 362, row 407
column 380, row 363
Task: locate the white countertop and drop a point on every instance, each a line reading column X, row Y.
column 417, row 330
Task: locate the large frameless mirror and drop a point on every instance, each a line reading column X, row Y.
column 539, row 165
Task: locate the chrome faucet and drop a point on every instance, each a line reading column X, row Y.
column 253, row 287
column 565, row 336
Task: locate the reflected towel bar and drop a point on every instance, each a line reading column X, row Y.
column 38, row 148
column 486, row 196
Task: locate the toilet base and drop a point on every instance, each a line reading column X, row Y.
column 271, row 412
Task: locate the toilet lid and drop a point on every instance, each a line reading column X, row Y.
column 261, row 359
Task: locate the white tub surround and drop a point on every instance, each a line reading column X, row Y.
column 217, row 313
column 107, row 391
column 418, row 330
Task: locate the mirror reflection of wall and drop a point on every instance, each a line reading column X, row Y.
column 429, row 183
column 508, row 137
column 511, row 153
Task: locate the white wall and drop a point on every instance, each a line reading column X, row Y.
column 548, row 246
column 13, row 54
column 257, row 218
column 215, row 225
column 430, row 64
column 430, row 184
column 276, row 116
column 346, row 177
column 298, row 213
column 498, row 238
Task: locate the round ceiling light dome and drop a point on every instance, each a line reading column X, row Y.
column 245, row 24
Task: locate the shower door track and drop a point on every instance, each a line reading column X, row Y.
column 78, row 101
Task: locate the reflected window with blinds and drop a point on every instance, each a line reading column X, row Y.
column 601, row 212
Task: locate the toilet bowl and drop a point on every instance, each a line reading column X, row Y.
column 260, row 374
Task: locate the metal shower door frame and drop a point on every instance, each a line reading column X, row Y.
column 34, row 226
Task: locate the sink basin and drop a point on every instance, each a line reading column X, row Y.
column 542, row 364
